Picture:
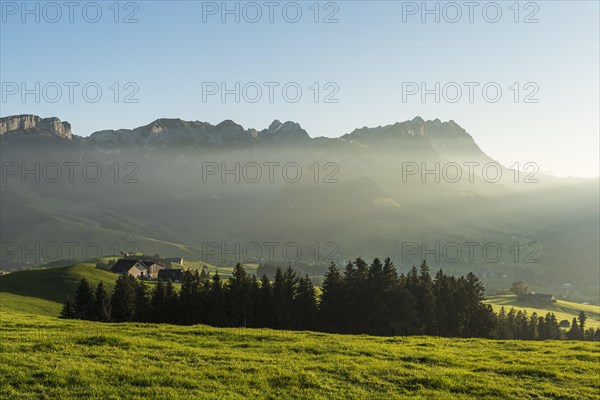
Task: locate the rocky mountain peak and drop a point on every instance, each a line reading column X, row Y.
column 228, row 125
column 33, row 124
column 275, row 125
column 288, row 131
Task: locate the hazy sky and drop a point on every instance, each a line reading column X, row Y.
column 370, row 61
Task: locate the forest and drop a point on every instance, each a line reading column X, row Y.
column 364, row 298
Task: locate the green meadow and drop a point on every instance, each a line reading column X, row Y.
column 43, row 357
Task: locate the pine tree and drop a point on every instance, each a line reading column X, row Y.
column 375, row 275
column 288, row 292
column 264, row 304
column 362, row 270
column 355, row 291
column 171, row 304
column 521, row 325
column 390, row 275
column 478, row 317
column 412, row 279
column 189, row 297
column 376, row 308
column 305, row 305
column 215, row 302
column 279, row 298
column 102, row 304
column 253, row 299
column 511, row 323
column 553, row 330
column 68, row 310
column 444, row 302
column 157, row 303
column 575, row 332
column 501, row 327
column 84, row 300
column 542, row 328
column 239, row 293
column 582, row 318
column 533, row 328
column 394, row 297
column 142, row 303
column 426, row 300
column 331, row 305
column 123, row 298
column 204, row 274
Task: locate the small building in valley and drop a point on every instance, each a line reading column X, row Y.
column 534, row 297
column 129, row 267
column 152, row 268
column 140, row 269
column 174, row 274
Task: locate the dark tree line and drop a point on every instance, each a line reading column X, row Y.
column 374, row 299
column 362, row 299
column 518, row 325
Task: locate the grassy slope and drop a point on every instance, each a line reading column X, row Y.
column 42, row 291
column 562, row 309
column 28, row 305
column 52, row 358
column 53, row 284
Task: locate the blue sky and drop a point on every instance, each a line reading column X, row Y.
column 369, row 57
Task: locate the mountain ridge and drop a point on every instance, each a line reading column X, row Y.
column 176, row 132
column 16, row 123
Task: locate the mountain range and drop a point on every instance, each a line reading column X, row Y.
column 164, row 132
column 355, row 197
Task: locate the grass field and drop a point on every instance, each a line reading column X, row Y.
column 562, row 309
column 44, row 357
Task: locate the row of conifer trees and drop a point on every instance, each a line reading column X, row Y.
column 363, row 298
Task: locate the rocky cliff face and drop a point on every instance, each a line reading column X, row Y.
column 32, row 124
